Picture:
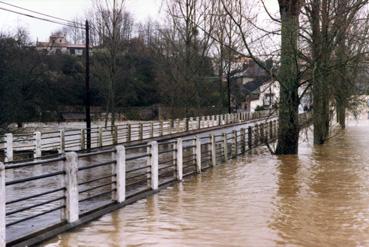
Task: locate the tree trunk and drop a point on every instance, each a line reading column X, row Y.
column 288, row 133
column 320, row 54
column 341, row 113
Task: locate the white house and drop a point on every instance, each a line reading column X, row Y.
column 58, row 44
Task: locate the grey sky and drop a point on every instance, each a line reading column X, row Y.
column 67, row 9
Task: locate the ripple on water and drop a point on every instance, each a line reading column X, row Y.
column 318, row 198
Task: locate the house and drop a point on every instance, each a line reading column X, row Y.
column 252, row 87
column 58, row 44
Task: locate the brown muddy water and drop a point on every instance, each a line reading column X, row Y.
column 318, row 198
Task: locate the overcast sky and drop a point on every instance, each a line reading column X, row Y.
column 68, row 9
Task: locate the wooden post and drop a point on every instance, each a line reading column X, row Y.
column 62, row 142
column 154, row 166
column 249, row 137
column 199, row 122
column 71, row 186
column 213, row 151
column 2, row 206
column 235, row 143
column 198, row 154
column 225, row 144
column 120, row 174
column 187, row 124
column 37, row 152
column 100, row 140
column 179, row 159
column 9, row 153
column 83, row 139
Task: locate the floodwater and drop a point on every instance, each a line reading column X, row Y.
column 318, row 198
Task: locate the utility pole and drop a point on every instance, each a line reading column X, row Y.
column 87, row 102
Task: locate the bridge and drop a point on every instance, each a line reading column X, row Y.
column 45, row 197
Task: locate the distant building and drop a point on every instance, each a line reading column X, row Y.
column 254, row 87
column 58, row 44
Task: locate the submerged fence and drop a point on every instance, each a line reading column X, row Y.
column 56, row 194
column 42, row 144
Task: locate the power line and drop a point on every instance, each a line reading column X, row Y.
column 35, row 12
column 41, row 18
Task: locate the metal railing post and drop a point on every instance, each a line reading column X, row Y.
column 71, row 186
column 2, row 206
column 120, row 174
column 37, row 152
column 9, row 152
column 154, row 166
column 179, row 159
column 198, row 154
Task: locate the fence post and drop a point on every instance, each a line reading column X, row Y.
column 225, row 143
column 71, row 186
column 120, row 174
column 235, row 143
column 141, row 131
column 187, row 120
column 198, row 154
column 152, row 129
column 100, row 137
column 9, row 147
column 198, row 123
column 161, row 131
column 2, row 206
column 129, row 130
column 62, row 141
column 243, row 140
column 271, row 130
column 262, row 136
column 37, row 151
column 154, row 166
column 115, row 135
column 249, row 137
column 213, row 151
column 171, row 126
column 179, row 159
column 83, row 140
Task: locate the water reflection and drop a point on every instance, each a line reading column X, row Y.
column 318, row 198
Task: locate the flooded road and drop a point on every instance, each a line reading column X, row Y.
column 318, row 198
